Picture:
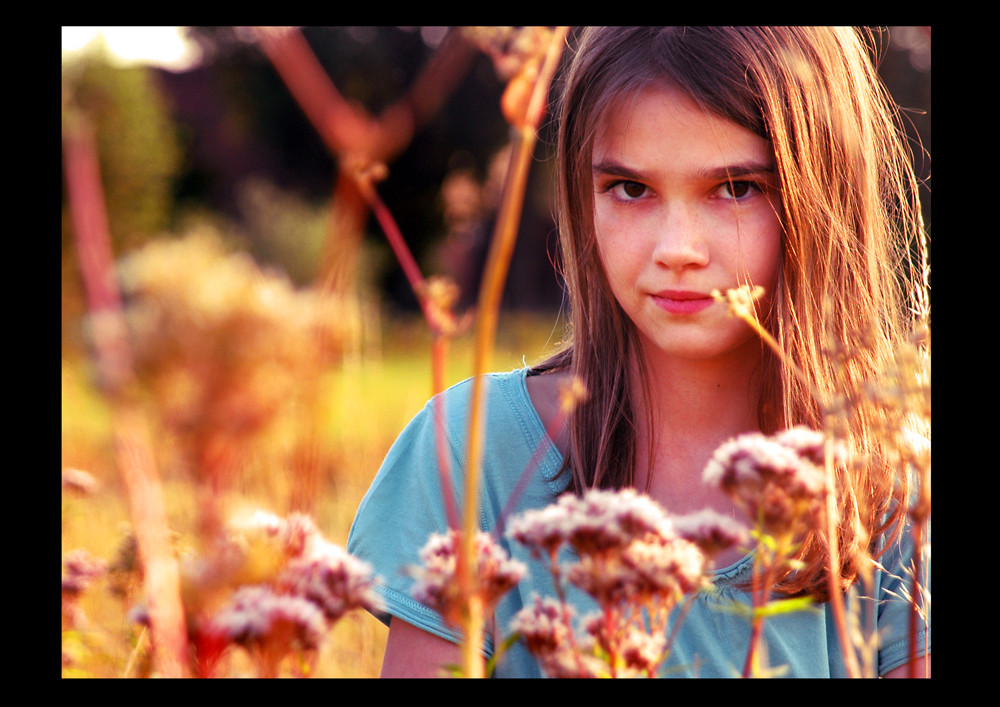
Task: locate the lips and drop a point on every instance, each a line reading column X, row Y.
column 682, row 301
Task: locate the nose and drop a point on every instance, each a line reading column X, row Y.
column 680, row 239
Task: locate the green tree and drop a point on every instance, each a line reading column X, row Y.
column 140, row 156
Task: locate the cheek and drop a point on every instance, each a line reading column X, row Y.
column 618, row 258
column 762, row 254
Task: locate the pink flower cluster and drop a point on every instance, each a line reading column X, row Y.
column 546, row 629
column 82, row 570
column 332, row 579
column 437, row 586
column 256, row 615
column 778, row 479
column 306, row 585
column 634, row 560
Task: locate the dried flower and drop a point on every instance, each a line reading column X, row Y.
column 599, row 520
column 712, row 532
column 82, row 569
column 740, row 300
column 221, row 342
column 495, row 573
column 331, row 578
column 274, row 586
column 545, row 625
column 439, row 296
column 776, row 479
column 295, row 535
column 642, row 651
column 632, row 562
column 257, row 615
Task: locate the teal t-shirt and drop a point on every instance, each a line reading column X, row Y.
column 404, row 506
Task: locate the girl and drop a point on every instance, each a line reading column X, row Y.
column 693, row 160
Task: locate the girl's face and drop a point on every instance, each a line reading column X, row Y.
column 685, row 202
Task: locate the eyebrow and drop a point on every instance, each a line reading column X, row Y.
column 732, row 171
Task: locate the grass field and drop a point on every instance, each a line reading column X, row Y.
column 366, row 400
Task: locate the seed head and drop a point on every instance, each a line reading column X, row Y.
column 776, row 479
column 257, row 615
column 437, row 586
column 334, row 580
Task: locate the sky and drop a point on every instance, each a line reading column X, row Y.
column 160, row 46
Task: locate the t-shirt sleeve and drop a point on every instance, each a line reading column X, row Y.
column 400, row 511
column 900, row 581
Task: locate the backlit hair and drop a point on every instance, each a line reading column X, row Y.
column 852, row 268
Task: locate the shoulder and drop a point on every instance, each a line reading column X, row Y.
column 546, row 392
column 507, row 408
column 503, row 393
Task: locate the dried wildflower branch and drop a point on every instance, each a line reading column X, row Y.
column 741, row 304
column 780, row 483
column 528, row 63
column 364, row 144
column 437, row 297
column 902, row 393
column 436, row 586
column 539, row 63
column 222, row 346
column 114, row 360
column 350, row 133
column 635, row 561
column 276, row 590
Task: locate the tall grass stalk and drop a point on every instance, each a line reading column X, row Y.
column 436, row 298
column 114, row 360
column 525, row 127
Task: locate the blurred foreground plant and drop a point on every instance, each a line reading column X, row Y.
column 525, row 58
column 437, row 585
column 116, row 377
column 223, row 348
column 274, row 587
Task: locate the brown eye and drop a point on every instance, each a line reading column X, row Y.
column 737, row 190
column 630, row 190
column 633, row 189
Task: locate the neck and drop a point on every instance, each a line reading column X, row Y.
column 694, row 406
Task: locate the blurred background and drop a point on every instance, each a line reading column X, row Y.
column 195, row 128
column 195, row 123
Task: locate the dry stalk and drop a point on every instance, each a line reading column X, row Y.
column 490, row 296
column 741, row 304
column 114, row 360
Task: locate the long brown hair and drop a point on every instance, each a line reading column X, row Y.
column 851, row 225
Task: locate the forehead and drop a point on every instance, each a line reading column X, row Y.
column 662, row 121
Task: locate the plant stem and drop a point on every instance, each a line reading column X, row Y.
column 114, row 360
column 833, row 575
column 491, row 295
column 490, row 298
column 756, row 626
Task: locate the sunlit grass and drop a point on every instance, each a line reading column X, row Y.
column 365, row 402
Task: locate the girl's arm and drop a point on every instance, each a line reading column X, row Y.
column 411, row 652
